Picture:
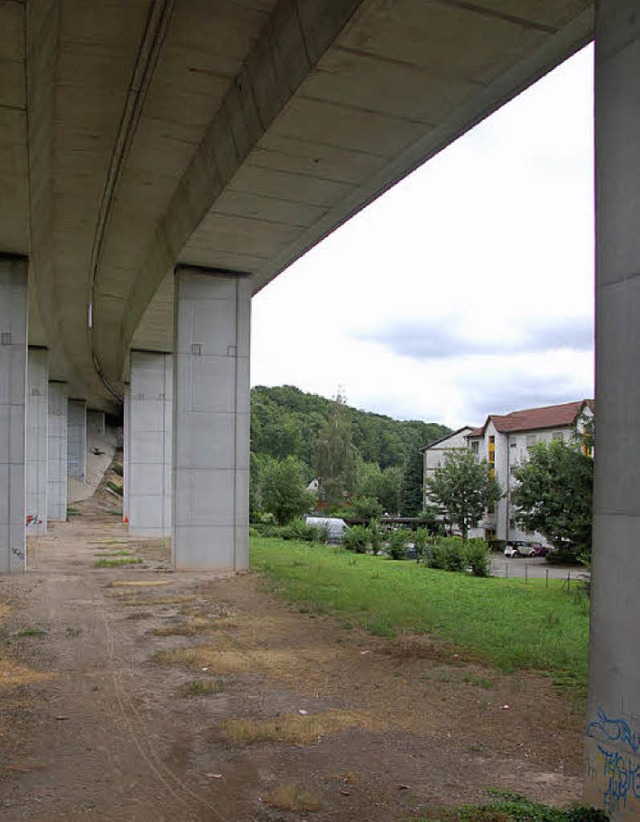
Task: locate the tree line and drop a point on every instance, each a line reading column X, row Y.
column 363, row 462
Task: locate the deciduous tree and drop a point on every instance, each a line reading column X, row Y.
column 555, row 496
column 462, row 489
column 283, row 489
column 335, row 456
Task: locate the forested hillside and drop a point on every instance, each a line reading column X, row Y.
column 286, row 421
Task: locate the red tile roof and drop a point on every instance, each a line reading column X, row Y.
column 531, row 419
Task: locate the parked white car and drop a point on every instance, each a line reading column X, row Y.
column 519, row 548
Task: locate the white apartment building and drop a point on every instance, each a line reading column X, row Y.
column 504, row 442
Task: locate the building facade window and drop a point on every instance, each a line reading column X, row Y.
column 492, row 457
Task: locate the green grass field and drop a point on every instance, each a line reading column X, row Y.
column 504, row 622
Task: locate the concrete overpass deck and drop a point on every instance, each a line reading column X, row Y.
column 226, row 135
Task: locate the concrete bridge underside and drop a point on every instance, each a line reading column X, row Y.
column 163, row 160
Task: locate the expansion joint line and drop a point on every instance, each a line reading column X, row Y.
column 158, row 18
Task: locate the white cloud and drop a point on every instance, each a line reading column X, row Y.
column 489, row 244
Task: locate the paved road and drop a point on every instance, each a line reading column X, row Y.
column 534, row 568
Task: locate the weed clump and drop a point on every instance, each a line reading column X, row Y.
column 513, row 807
column 202, row 687
column 117, row 562
column 292, row 798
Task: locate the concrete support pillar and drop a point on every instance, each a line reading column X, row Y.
column 77, row 439
column 126, row 450
column 613, row 721
column 149, row 443
column 211, row 420
column 37, row 443
column 13, row 381
column 57, row 465
column 95, row 423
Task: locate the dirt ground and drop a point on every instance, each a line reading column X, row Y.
column 133, row 693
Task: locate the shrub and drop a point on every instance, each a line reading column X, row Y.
column 561, row 556
column 299, row 530
column 356, row 539
column 478, row 557
column 117, row 489
column 321, row 533
column 421, row 543
column 375, row 536
column 455, row 559
column 365, row 508
column 437, row 557
column 448, row 554
column 397, row 545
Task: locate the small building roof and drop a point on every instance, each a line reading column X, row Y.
column 533, row 419
column 447, row 437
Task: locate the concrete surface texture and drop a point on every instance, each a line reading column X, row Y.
column 37, row 446
column 95, row 422
column 211, row 421
column 225, row 135
column 613, row 732
column 77, row 439
column 57, row 452
column 150, row 444
column 13, row 376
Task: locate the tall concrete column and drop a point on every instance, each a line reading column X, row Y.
column 149, row 443
column 13, row 382
column 211, row 420
column 613, row 721
column 95, row 423
column 77, row 439
column 126, row 428
column 37, row 444
column 57, row 464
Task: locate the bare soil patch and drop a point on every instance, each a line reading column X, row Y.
column 149, row 695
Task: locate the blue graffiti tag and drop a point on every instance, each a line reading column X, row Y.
column 613, row 730
column 621, row 779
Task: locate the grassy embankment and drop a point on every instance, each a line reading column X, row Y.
column 504, row 622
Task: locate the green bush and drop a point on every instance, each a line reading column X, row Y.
column 421, row 543
column 455, row 558
column 437, row 557
column 564, row 557
column 117, row 468
column 513, row 807
column 448, row 554
column 299, row 530
column 365, row 508
column 117, row 489
column 397, row 544
column 478, row 557
column 356, row 539
column 375, row 536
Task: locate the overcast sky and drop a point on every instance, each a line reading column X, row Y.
column 465, row 290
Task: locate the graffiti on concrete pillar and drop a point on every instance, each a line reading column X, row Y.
column 33, row 519
column 617, row 771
